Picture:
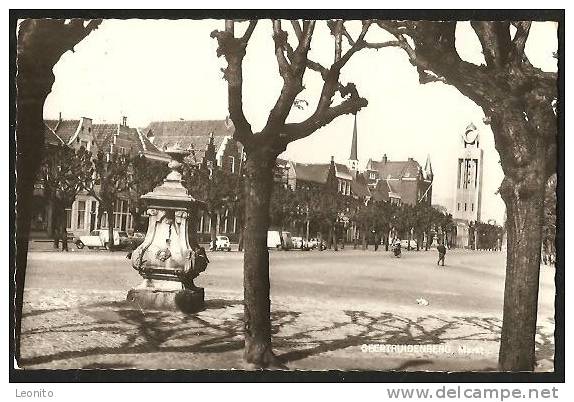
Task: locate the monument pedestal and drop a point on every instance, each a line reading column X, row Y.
column 166, row 299
column 165, row 259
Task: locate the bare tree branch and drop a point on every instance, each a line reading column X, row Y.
column 494, row 37
column 292, row 73
column 234, row 50
column 520, row 37
column 297, row 29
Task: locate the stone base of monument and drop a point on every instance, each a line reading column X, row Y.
column 154, row 296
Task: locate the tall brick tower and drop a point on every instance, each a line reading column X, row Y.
column 468, row 191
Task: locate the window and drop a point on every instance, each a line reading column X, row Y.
column 81, row 221
column 459, row 173
column 472, row 206
column 122, row 216
column 372, row 175
column 458, row 206
column 232, row 162
column 465, row 206
column 68, row 218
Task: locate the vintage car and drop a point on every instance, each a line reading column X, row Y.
column 300, row 243
column 99, row 238
column 279, row 240
column 222, row 243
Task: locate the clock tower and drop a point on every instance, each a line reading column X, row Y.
column 468, row 191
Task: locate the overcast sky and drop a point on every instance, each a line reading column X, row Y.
column 167, row 70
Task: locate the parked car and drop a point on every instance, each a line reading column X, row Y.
column 300, row 243
column 405, row 243
column 136, row 239
column 222, row 243
column 297, row 241
column 99, row 238
column 274, row 239
column 314, row 243
column 279, row 240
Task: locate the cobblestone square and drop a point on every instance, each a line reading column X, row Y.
column 343, row 310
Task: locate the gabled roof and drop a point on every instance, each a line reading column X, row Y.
column 343, row 172
column 397, row 169
column 194, row 142
column 384, row 191
column 65, row 129
column 313, row 172
column 50, row 137
column 192, row 135
column 189, row 128
column 103, row 135
column 360, row 189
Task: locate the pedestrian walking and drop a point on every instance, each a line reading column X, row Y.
column 441, row 253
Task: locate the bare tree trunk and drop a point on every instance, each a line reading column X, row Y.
column 64, row 233
column 334, row 235
column 257, row 305
column 524, row 222
column 213, row 229
column 110, row 216
column 241, row 236
column 364, row 240
column 56, row 232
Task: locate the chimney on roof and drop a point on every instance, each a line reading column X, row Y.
column 60, row 116
column 411, row 159
column 384, row 160
column 332, row 160
column 124, row 121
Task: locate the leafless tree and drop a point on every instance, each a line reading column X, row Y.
column 40, row 44
column 519, row 101
column 262, row 148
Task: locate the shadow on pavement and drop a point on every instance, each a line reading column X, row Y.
column 218, row 329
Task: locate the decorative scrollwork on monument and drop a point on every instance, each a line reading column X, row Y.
column 180, row 216
column 165, row 253
column 152, row 211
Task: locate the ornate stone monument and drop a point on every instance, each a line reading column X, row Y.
column 165, row 259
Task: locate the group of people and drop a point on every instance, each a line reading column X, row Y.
column 396, row 248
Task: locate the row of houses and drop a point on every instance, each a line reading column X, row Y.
column 208, row 141
column 211, row 142
column 395, row 181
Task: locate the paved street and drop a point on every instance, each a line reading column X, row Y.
column 326, row 307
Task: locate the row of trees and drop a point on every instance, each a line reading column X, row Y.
column 67, row 172
column 322, row 211
column 109, row 177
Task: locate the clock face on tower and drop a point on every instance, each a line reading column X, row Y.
column 470, row 136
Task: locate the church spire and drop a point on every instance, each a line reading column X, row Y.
column 353, row 156
column 428, row 168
